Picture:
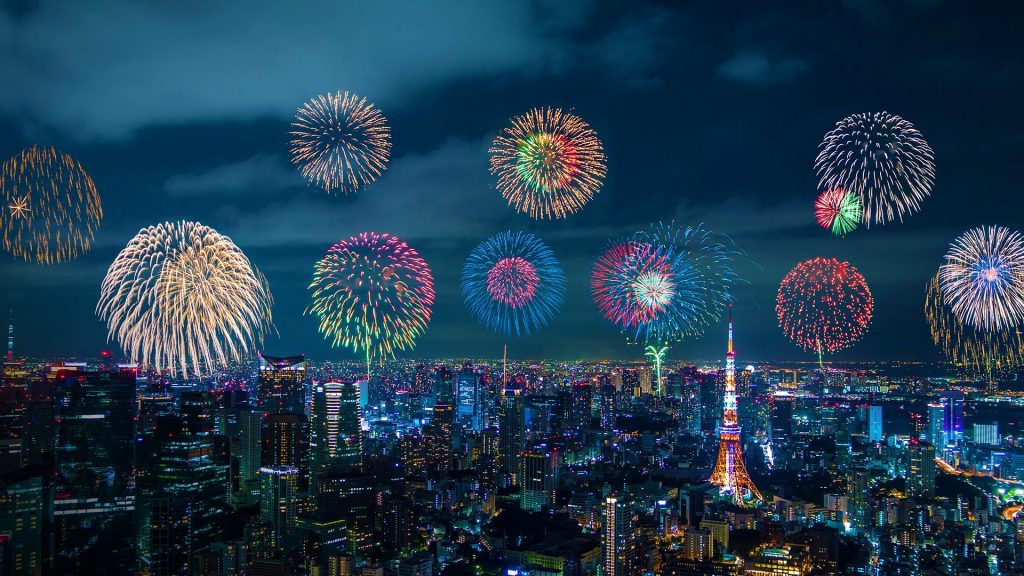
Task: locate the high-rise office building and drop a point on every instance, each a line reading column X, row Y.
column 94, row 482
column 953, row 415
column 781, row 415
column 279, row 486
column 937, row 425
column 470, row 409
column 336, row 444
column 511, row 430
column 22, row 503
column 618, row 529
column 538, row 478
column 250, row 431
column 283, row 441
column 921, row 469
column 697, row 544
column 438, row 437
column 280, row 385
column 191, row 486
column 986, row 434
column 875, row 424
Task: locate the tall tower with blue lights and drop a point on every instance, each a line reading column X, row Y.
column 730, row 473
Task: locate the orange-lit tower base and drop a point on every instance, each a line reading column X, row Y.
column 730, row 474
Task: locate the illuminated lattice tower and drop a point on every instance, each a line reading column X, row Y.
column 730, row 473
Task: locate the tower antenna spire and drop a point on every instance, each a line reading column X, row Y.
column 10, row 338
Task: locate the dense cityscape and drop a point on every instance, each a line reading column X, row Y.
column 286, row 465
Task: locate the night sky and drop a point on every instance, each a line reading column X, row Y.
column 708, row 114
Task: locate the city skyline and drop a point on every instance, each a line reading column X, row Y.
column 699, row 101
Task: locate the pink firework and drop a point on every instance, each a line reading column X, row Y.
column 512, row 281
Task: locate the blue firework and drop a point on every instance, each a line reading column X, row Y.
column 665, row 283
column 512, row 282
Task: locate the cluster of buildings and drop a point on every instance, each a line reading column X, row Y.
column 526, row 469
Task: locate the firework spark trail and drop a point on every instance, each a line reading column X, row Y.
column 966, row 345
column 184, row 298
column 549, row 163
column 50, row 210
column 340, row 142
column 664, row 283
column 373, row 294
column 512, row 282
column 838, row 210
column 982, row 279
column 883, row 159
column 824, row 305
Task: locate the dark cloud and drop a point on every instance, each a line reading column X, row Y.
column 259, row 173
column 755, row 68
column 116, row 66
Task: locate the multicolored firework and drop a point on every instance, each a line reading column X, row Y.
column 881, row 158
column 967, row 346
column 664, row 283
column 838, row 210
column 512, row 282
column 824, row 305
column 549, row 163
column 340, row 142
column 182, row 297
column 50, row 206
column 982, row 279
column 372, row 294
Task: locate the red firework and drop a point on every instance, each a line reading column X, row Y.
column 512, row 281
column 629, row 283
column 824, row 305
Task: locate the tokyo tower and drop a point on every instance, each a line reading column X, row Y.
column 730, row 474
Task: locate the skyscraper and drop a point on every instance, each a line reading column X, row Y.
column 618, row 529
column 336, row 442
column 730, row 473
column 279, row 486
column 22, row 503
column 921, row 469
column 191, row 488
column 875, row 424
column 280, row 383
column 937, row 425
column 469, row 398
column 94, row 483
column 781, row 415
column 538, row 478
column 953, row 415
column 511, row 430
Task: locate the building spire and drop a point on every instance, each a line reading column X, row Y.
column 10, row 338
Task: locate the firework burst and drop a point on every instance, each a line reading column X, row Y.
column 184, row 298
column 965, row 345
column 512, row 282
column 838, row 210
column 50, row 206
column 549, row 163
column 824, row 305
column 982, row 279
column 340, row 142
column 664, row 283
column 372, row 294
column 881, row 158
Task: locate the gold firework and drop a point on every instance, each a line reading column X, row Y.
column 549, row 163
column 340, row 142
column 52, row 207
column 184, row 298
column 966, row 346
